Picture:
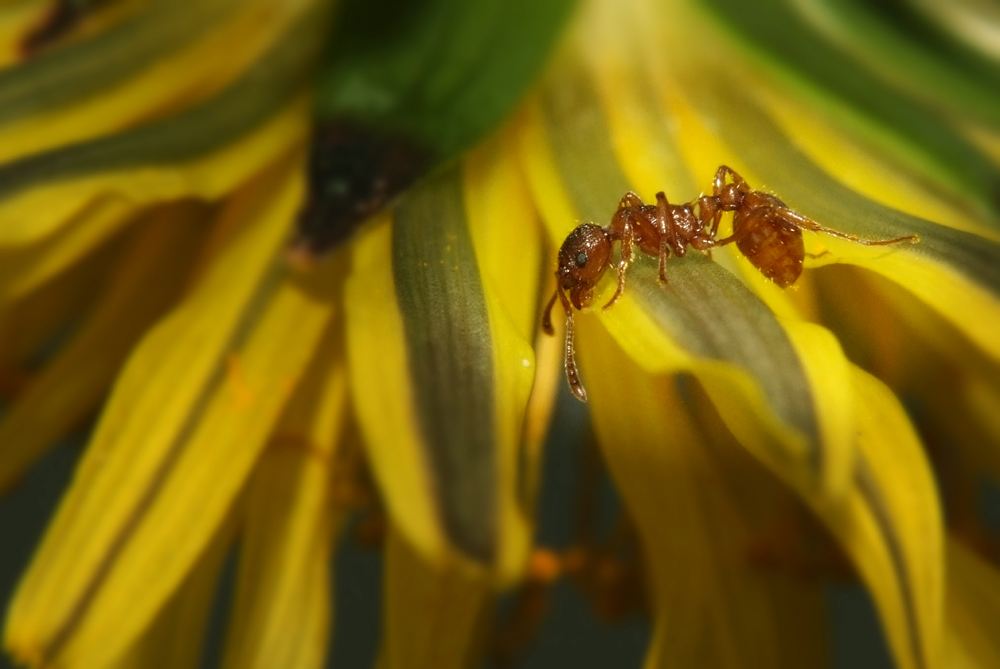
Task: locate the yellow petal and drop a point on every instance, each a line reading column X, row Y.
column 701, row 320
column 16, row 19
column 441, row 370
column 433, row 612
column 157, row 60
column 973, row 607
column 24, row 269
column 381, row 389
column 38, row 316
column 186, row 422
column 155, row 265
column 891, row 526
column 956, row 385
column 504, row 229
column 952, row 270
column 30, row 215
column 712, row 606
column 176, row 636
column 281, row 614
column 863, row 170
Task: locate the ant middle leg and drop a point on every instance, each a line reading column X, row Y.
column 725, row 197
column 709, row 213
column 667, row 229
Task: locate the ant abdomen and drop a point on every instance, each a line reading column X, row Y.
column 772, row 246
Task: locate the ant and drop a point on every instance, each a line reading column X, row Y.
column 765, row 230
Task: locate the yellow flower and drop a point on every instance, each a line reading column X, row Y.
column 155, row 167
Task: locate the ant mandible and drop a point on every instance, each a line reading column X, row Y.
column 765, row 230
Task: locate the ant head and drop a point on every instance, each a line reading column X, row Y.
column 583, row 258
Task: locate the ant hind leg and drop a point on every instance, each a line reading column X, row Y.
column 720, row 179
column 804, row 223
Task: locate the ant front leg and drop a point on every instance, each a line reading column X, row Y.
column 625, row 233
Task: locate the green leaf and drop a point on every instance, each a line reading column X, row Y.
column 442, row 72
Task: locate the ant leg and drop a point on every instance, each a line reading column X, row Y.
column 739, row 231
column 720, row 179
column 804, row 223
column 664, row 254
column 569, row 361
column 703, row 243
column 630, row 199
column 623, row 263
column 709, row 213
column 547, row 315
column 724, row 197
column 668, row 233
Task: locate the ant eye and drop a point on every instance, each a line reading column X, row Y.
column 581, row 259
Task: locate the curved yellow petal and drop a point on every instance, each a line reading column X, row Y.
column 176, row 637
column 36, row 317
column 281, row 612
column 16, row 20
column 440, row 367
column 702, row 319
column 973, row 605
column 505, row 235
column 433, row 611
column 381, row 389
column 891, row 526
column 953, row 270
column 187, row 54
column 861, row 169
column 955, row 386
column 712, row 605
column 155, row 266
column 188, row 418
column 29, row 216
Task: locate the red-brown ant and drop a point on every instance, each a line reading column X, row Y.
column 765, row 230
